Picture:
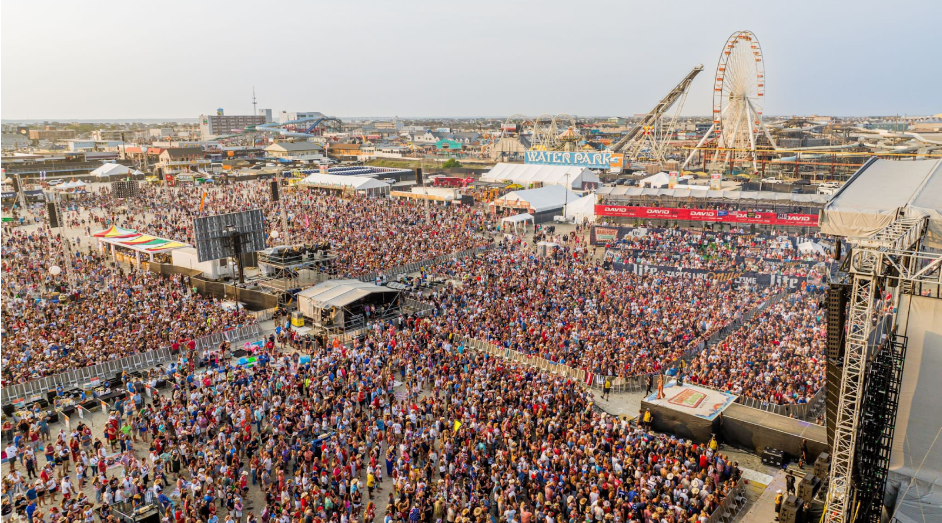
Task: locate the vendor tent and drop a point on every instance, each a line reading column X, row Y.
column 367, row 185
column 531, row 175
column 68, row 186
column 655, row 181
column 542, row 203
column 114, row 169
column 115, row 232
column 582, row 209
column 516, row 220
column 882, row 190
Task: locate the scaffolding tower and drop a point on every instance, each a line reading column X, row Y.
column 890, row 258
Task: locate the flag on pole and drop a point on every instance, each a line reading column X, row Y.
column 307, row 221
column 457, row 425
column 202, row 201
column 589, row 376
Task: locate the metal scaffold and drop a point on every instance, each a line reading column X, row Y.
column 890, row 258
column 653, row 132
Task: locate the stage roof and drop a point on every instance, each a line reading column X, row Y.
column 880, row 191
column 340, row 293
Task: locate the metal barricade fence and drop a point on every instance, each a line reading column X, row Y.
column 111, row 368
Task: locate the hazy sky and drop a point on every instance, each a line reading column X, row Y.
column 170, row 59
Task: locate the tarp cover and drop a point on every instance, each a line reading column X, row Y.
column 914, row 487
column 873, row 197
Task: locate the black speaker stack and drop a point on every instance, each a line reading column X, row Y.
column 837, row 318
column 126, row 189
column 418, row 176
column 773, row 457
column 837, row 298
column 790, row 508
column 54, row 218
column 275, row 191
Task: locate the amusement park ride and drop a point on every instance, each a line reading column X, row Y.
column 649, row 139
column 737, row 132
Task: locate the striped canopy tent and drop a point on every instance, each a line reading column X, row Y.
column 169, row 245
column 139, row 240
column 115, row 232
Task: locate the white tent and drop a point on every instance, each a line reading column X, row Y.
column 527, row 174
column 357, row 183
column 114, row 169
column 70, row 185
column 518, row 219
column 655, row 181
column 538, row 200
column 582, row 209
column 880, row 191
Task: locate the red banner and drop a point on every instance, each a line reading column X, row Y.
column 708, row 215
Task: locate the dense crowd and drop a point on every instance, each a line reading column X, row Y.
column 367, row 234
column 725, row 252
column 109, row 312
column 569, row 309
column 777, row 357
column 326, row 438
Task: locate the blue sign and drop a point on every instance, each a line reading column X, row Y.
column 591, row 160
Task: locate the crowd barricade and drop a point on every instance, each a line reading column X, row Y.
column 111, row 368
column 263, row 315
column 733, row 502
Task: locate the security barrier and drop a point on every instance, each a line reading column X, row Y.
column 111, row 368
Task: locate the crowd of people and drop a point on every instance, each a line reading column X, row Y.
column 321, row 434
column 777, row 357
column 367, row 234
column 403, row 424
column 726, row 252
column 108, row 312
column 569, row 309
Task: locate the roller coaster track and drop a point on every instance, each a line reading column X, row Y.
column 653, row 117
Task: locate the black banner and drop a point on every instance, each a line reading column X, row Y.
column 752, row 279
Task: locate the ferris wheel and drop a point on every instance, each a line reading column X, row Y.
column 738, row 99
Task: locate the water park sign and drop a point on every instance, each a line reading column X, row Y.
column 601, row 160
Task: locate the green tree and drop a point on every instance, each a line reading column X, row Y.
column 451, row 163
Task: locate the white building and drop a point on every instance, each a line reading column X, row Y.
column 534, row 175
column 290, row 117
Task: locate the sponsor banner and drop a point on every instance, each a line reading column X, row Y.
column 708, row 215
column 742, row 278
column 591, row 160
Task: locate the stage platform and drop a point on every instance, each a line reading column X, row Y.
column 755, row 429
column 687, row 410
column 694, row 412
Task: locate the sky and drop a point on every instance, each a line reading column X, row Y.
column 179, row 59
